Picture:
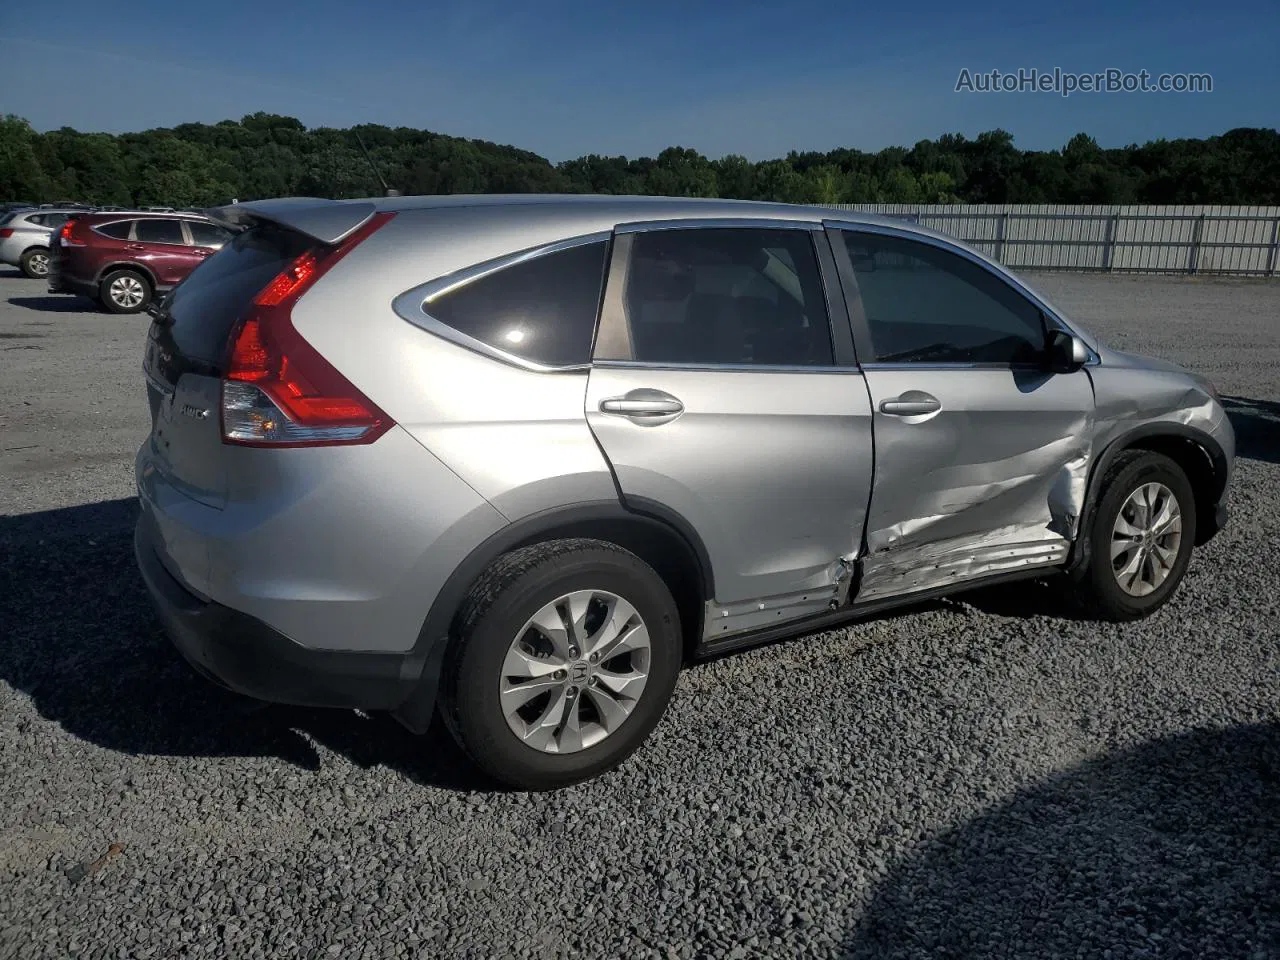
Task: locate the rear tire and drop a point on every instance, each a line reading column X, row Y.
column 1134, row 567
column 34, row 263
column 125, row 291
column 598, row 705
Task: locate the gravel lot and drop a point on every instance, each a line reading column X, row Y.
column 981, row 778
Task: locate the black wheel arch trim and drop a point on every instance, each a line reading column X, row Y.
column 1081, row 548
column 426, row 660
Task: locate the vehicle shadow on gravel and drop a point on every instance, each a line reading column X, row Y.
column 52, row 304
column 1257, row 426
column 80, row 639
column 1166, row 850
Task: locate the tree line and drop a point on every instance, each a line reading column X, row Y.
column 266, row 155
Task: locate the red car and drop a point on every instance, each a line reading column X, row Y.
column 122, row 260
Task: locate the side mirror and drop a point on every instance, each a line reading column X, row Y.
column 1067, row 353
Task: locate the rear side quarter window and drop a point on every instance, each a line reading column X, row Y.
column 541, row 309
column 116, row 231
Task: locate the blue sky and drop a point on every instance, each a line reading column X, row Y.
column 567, row 77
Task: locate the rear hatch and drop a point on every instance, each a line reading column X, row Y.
column 186, row 354
column 224, row 366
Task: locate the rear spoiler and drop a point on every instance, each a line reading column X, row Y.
column 328, row 221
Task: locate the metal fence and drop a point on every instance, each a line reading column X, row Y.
column 1206, row 240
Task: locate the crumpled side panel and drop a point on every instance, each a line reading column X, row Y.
column 977, row 519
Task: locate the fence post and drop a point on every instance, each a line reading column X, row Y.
column 1197, row 233
column 1001, row 226
column 1108, row 251
column 1275, row 248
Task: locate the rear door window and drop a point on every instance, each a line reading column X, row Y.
column 204, row 308
column 726, row 296
column 542, row 309
column 159, row 231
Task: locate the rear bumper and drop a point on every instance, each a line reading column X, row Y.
column 63, row 283
column 245, row 655
column 12, row 249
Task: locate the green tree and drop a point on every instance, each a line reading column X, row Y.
column 21, row 174
column 681, row 172
column 264, row 155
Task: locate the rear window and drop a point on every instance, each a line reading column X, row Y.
column 117, row 231
column 543, row 309
column 206, row 306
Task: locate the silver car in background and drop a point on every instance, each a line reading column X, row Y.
column 517, row 459
column 26, row 236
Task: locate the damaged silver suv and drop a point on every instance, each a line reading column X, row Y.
column 517, row 459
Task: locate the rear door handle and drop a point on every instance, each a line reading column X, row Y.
column 913, row 403
column 630, row 407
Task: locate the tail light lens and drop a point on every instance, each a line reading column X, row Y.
column 6, row 233
column 65, row 235
column 278, row 390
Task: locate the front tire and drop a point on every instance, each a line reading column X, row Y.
column 563, row 660
column 125, row 291
column 34, row 263
column 1141, row 537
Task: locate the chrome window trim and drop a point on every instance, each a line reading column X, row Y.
column 957, row 365
column 714, row 223
column 727, row 367
column 904, row 233
column 412, row 304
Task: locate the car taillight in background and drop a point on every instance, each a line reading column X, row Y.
column 277, row 389
column 65, row 237
column 6, row 233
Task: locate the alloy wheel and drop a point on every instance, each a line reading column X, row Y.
column 1145, row 539
column 575, row 671
column 127, row 292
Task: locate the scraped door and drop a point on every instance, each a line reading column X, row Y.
column 719, row 402
column 981, row 453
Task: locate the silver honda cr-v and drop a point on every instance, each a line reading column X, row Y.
column 519, row 458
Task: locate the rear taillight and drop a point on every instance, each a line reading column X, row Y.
column 65, row 237
column 6, row 233
column 278, row 390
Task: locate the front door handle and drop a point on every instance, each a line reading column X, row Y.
column 648, row 407
column 913, row 403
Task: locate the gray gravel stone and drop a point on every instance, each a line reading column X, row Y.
column 985, row 777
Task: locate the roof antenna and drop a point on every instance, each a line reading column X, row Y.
column 386, row 191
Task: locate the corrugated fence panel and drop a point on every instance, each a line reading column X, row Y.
column 1199, row 239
